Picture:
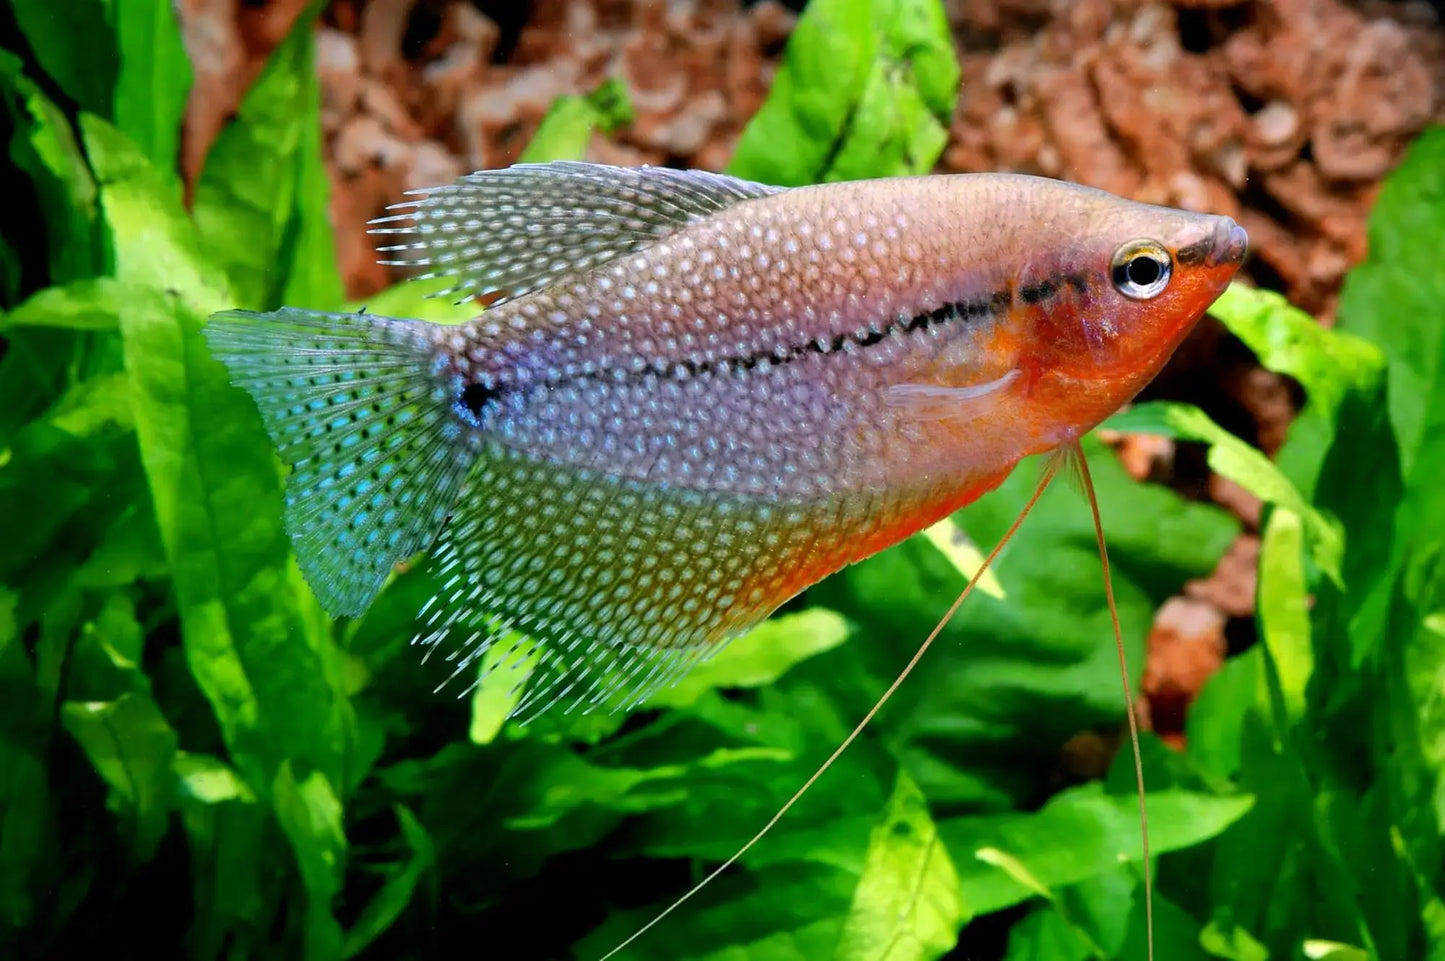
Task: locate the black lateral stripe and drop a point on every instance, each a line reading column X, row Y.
column 1041, row 291
column 995, row 305
column 969, row 310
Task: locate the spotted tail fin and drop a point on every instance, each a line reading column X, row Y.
column 377, row 455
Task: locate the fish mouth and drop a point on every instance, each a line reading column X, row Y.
column 1228, row 245
column 1224, row 245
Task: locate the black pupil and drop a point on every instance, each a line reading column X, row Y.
column 1143, row 271
column 474, row 396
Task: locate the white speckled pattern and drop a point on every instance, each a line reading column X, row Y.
column 701, row 396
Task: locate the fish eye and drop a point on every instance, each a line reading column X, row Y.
column 1141, row 269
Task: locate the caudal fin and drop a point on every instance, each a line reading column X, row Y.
column 377, row 455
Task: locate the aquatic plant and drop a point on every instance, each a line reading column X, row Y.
column 197, row 761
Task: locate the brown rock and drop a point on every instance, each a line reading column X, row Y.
column 355, row 199
column 338, row 69
column 364, row 142
column 380, row 101
column 383, row 27
column 1274, row 136
column 1232, row 586
column 472, row 29
column 684, row 134
column 1077, row 128
column 773, row 22
column 430, row 164
column 1333, row 211
column 1146, row 456
column 1236, row 499
column 213, row 44
column 1383, row 97
column 264, row 26
column 1267, row 396
column 1186, row 647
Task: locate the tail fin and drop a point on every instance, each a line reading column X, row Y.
column 377, row 456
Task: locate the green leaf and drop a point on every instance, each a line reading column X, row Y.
column 759, row 657
column 1280, row 846
column 204, row 779
column 1330, row 366
column 66, row 476
column 154, row 79
column 866, row 89
column 313, row 277
column 155, row 243
column 254, row 638
column 902, row 136
column 824, row 71
column 417, row 300
column 74, row 43
column 571, row 784
column 231, row 852
column 1028, row 671
column 1078, row 834
column 787, row 913
column 1317, row 950
column 383, row 910
column 1231, row 943
column 27, row 828
column 1232, row 458
column 1396, row 298
column 1104, row 918
column 1046, row 935
column 310, row 814
column 1415, row 673
column 907, row 905
column 43, row 145
column 1216, row 719
column 569, row 123
column 953, row 543
column 1283, row 601
column 131, row 745
column 91, row 304
column 247, row 195
column 503, row 672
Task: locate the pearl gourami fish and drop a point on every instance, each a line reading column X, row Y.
column 693, row 396
column 698, row 395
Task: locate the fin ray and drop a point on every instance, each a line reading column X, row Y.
column 577, row 216
column 926, row 402
column 622, row 585
column 377, row 458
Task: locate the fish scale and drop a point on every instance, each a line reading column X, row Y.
column 694, row 396
column 683, row 366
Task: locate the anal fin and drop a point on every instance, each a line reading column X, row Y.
column 617, row 585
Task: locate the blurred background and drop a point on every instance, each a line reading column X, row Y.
column 198, row 763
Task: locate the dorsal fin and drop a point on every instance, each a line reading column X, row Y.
column 522, row 228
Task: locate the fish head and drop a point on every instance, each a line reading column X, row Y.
column 1128, row 284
